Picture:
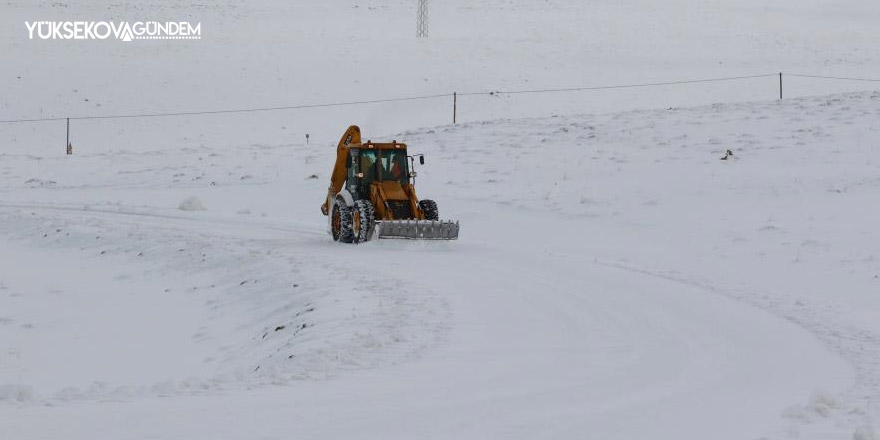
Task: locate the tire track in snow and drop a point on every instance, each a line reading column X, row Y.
column 382, row 310
column 148, row 212
column 858, row 347
column 538, row 325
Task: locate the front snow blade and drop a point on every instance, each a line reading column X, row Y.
column 417, row 229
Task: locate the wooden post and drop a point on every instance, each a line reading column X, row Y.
column 69, row 147
column 780, row 85
column 454, row 107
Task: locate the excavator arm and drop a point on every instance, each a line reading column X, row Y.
column 337, row 177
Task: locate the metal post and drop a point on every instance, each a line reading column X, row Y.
column 454, row 107
column 780, row 85
column 422, row 19
column 67, row 145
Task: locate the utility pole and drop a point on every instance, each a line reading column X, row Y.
column 780, row 85
column 422, row 19
column 69, row 147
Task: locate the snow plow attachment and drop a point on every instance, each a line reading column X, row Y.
column 417, row 229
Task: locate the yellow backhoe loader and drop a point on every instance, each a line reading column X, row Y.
column 371, row 194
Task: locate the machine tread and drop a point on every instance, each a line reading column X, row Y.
column 366, row 213
column 429, row 207
column 344, row 233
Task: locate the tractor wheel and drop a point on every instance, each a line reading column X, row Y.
column 341, row 222
column 362, row 220
column 429, row 207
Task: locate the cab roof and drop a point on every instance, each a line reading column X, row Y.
column 394, row 145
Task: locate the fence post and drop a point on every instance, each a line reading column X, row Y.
column 68, row 147
column 780, row 85
column 454, row 107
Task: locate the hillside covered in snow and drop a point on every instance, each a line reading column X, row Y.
column 614, row 278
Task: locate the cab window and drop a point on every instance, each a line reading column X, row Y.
column 394, row 166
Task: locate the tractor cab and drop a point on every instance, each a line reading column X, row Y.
column 369, row 163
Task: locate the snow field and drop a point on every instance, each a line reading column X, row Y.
column 629, row 306
column 614, row 280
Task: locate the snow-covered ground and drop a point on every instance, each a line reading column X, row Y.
column 614, row 279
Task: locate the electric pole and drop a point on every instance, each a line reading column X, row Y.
column 422, row 19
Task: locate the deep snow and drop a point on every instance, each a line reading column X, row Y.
column 614, row 279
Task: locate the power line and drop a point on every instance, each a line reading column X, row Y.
column 374, row 101
column 423, row 97
column 624, row 86
column 11, row 121
column 248, row 110
column 843, row 78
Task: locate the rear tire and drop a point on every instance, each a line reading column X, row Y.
column 363, row 219
column 429, row 208
column 340, row 222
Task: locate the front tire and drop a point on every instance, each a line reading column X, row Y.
column 363, row 219
column 341, row 222
column 429, row 208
